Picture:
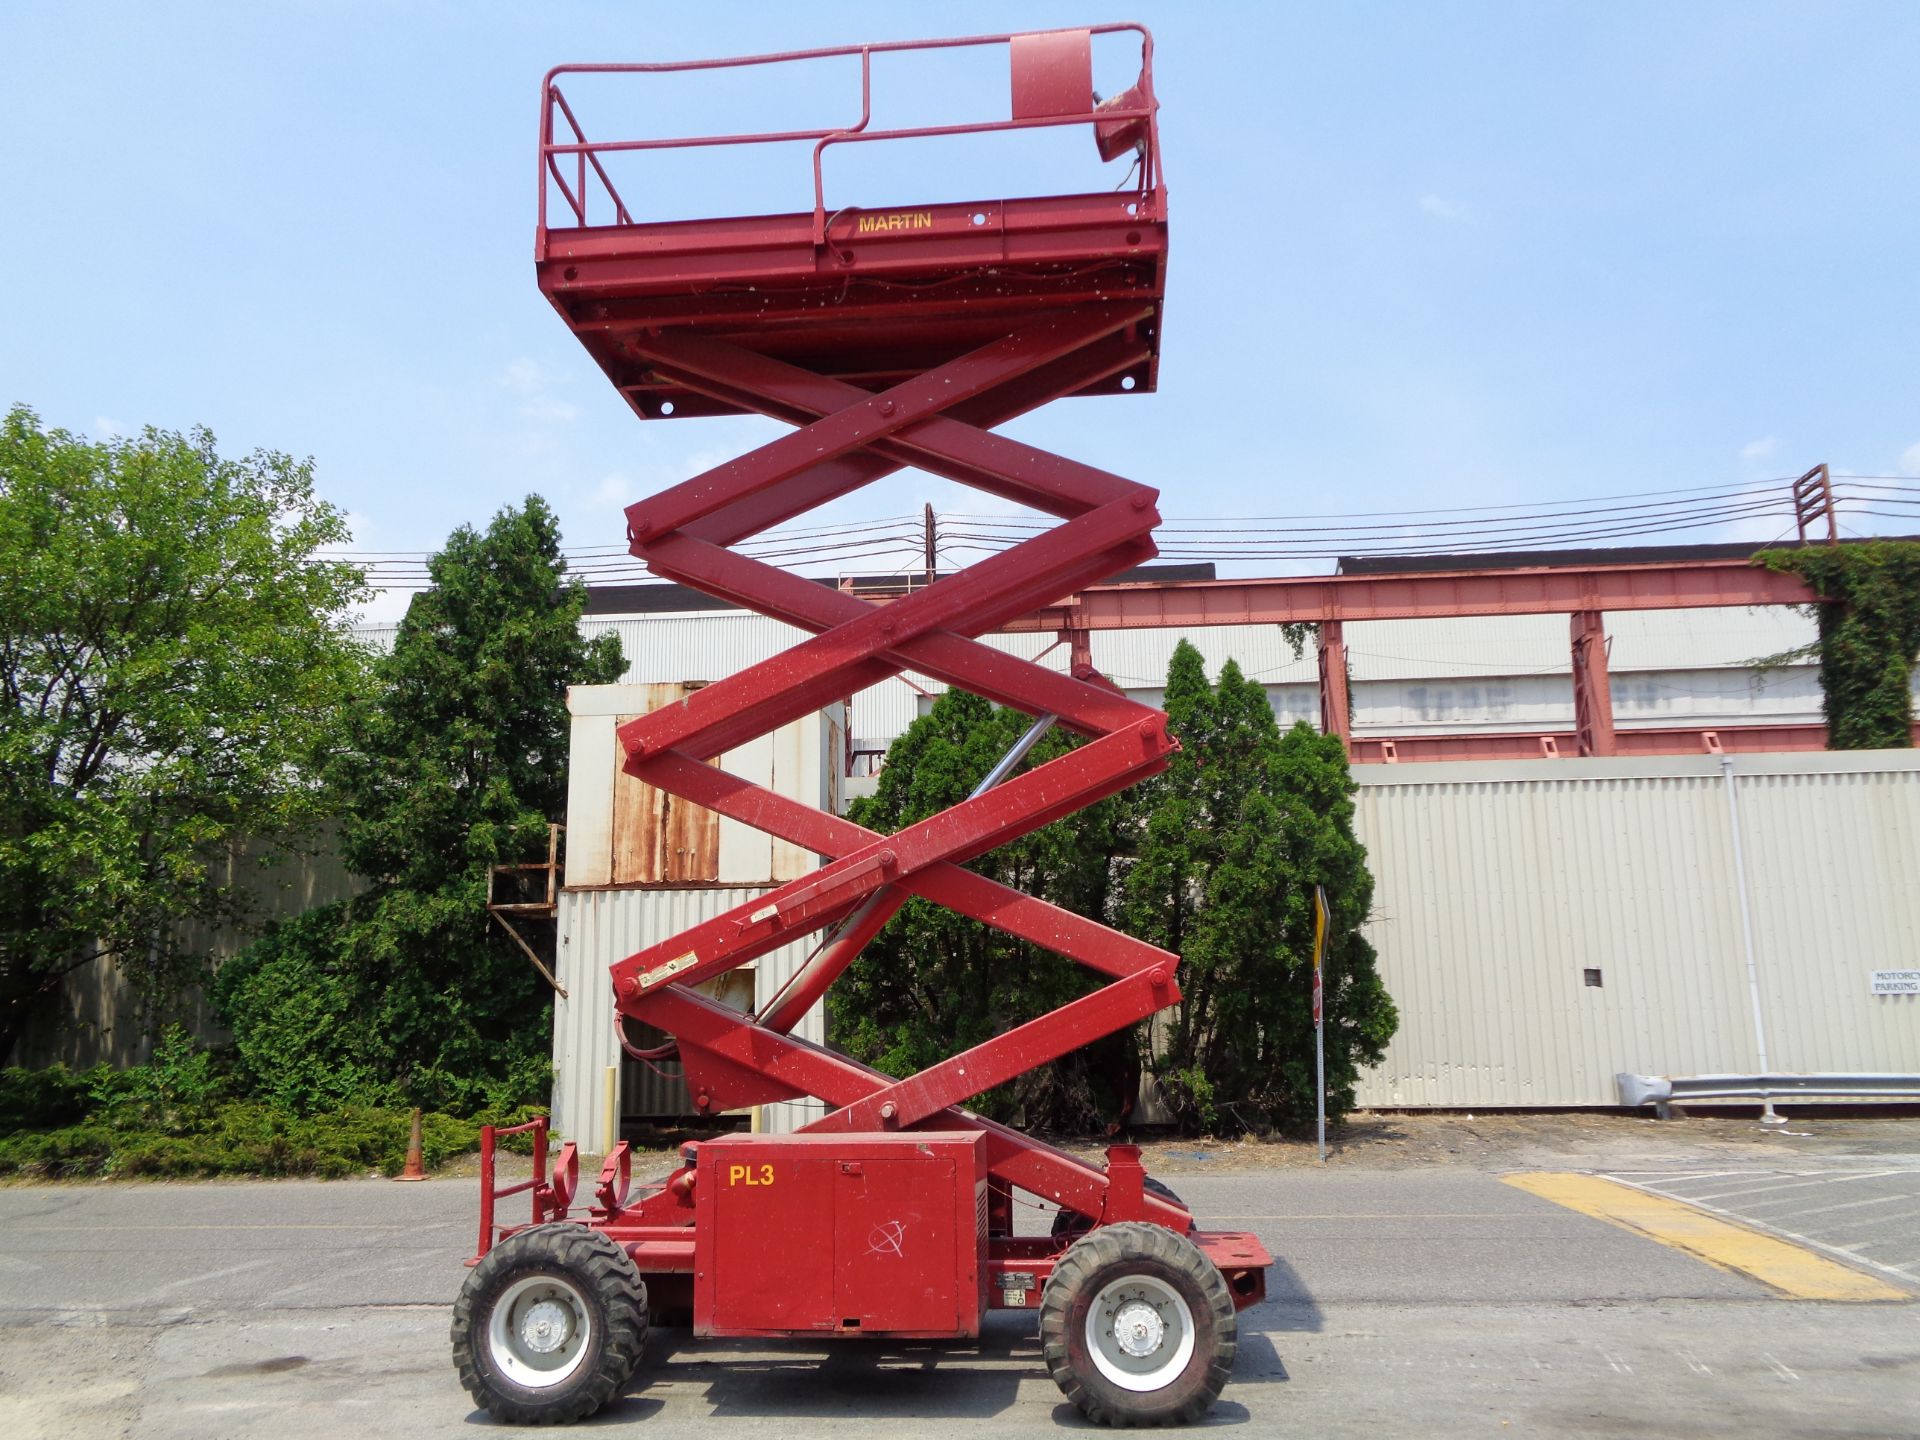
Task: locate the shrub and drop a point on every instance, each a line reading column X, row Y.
column 245, row 1138
column 173, row 1094
column 176, row 1118
column 299, row 1018
column 48, row 1099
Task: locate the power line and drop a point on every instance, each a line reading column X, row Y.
column 1463, row 530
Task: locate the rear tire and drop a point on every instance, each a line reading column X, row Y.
column 550, row 1325
column 1138, row 1326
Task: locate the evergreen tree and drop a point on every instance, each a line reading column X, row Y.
column 458, row 763
column 934, row 982
column 1233, row 837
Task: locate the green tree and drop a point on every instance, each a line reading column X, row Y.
column 1233, row 837
column 934, row 982
column 457, row 763
column 1869, row 641
column 175, row 654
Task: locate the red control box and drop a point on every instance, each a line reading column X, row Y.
column 849, row 1234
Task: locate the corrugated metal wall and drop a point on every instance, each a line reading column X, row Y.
column 1670, row 667
column 1498, row 886
column 1835, row 862
column 630, row 852
column 598, row 928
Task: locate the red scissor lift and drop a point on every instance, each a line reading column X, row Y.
column 887, row 338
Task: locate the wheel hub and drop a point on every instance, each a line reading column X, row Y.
column 545, row 1327
column 1138, row 1329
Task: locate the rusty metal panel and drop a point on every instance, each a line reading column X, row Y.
column 660, row 839
column 621, row 831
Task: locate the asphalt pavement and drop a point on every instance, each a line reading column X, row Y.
column 1429, row 1302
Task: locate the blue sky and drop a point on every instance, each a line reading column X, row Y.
column 1424, row 254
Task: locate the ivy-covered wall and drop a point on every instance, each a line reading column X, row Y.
column 1869, row 636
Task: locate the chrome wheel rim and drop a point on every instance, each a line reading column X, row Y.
column 1140, row 1333
column 539, row 1331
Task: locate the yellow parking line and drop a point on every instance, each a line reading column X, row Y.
column 1794, row 1271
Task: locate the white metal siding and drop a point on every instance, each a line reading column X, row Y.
column 1499, row 884
column 599, row 928
column 1670, row 667
column 1834, row 864
column 712, row 644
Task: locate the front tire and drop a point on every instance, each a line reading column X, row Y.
column 549, row 1325
column 1138, row 1327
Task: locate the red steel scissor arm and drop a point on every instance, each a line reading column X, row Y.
column 801, row 1068
column 886, row 339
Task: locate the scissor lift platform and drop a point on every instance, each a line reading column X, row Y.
column 885, row 294
column 888, row 337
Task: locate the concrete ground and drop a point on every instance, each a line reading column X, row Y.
column 1427, row 1298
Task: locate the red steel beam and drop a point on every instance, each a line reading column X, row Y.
column 1534, row 745
column 1336, row 710
column 1422, row 595
column 1592, row 691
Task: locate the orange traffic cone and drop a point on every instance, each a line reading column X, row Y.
column 416, row 1168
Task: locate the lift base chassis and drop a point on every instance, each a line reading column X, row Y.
column 902, row 1235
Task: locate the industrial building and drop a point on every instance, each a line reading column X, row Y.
column 1478, row 675
column 1544, row 924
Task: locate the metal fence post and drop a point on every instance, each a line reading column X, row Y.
column 1768, row 1115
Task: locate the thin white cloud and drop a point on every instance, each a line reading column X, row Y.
column 1910, row 459
column 613, row 489
column 526, row 376
column 535, row 384
column 108, row 429
column 1442, row 208
column 546, row 407
column 1762, row 449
